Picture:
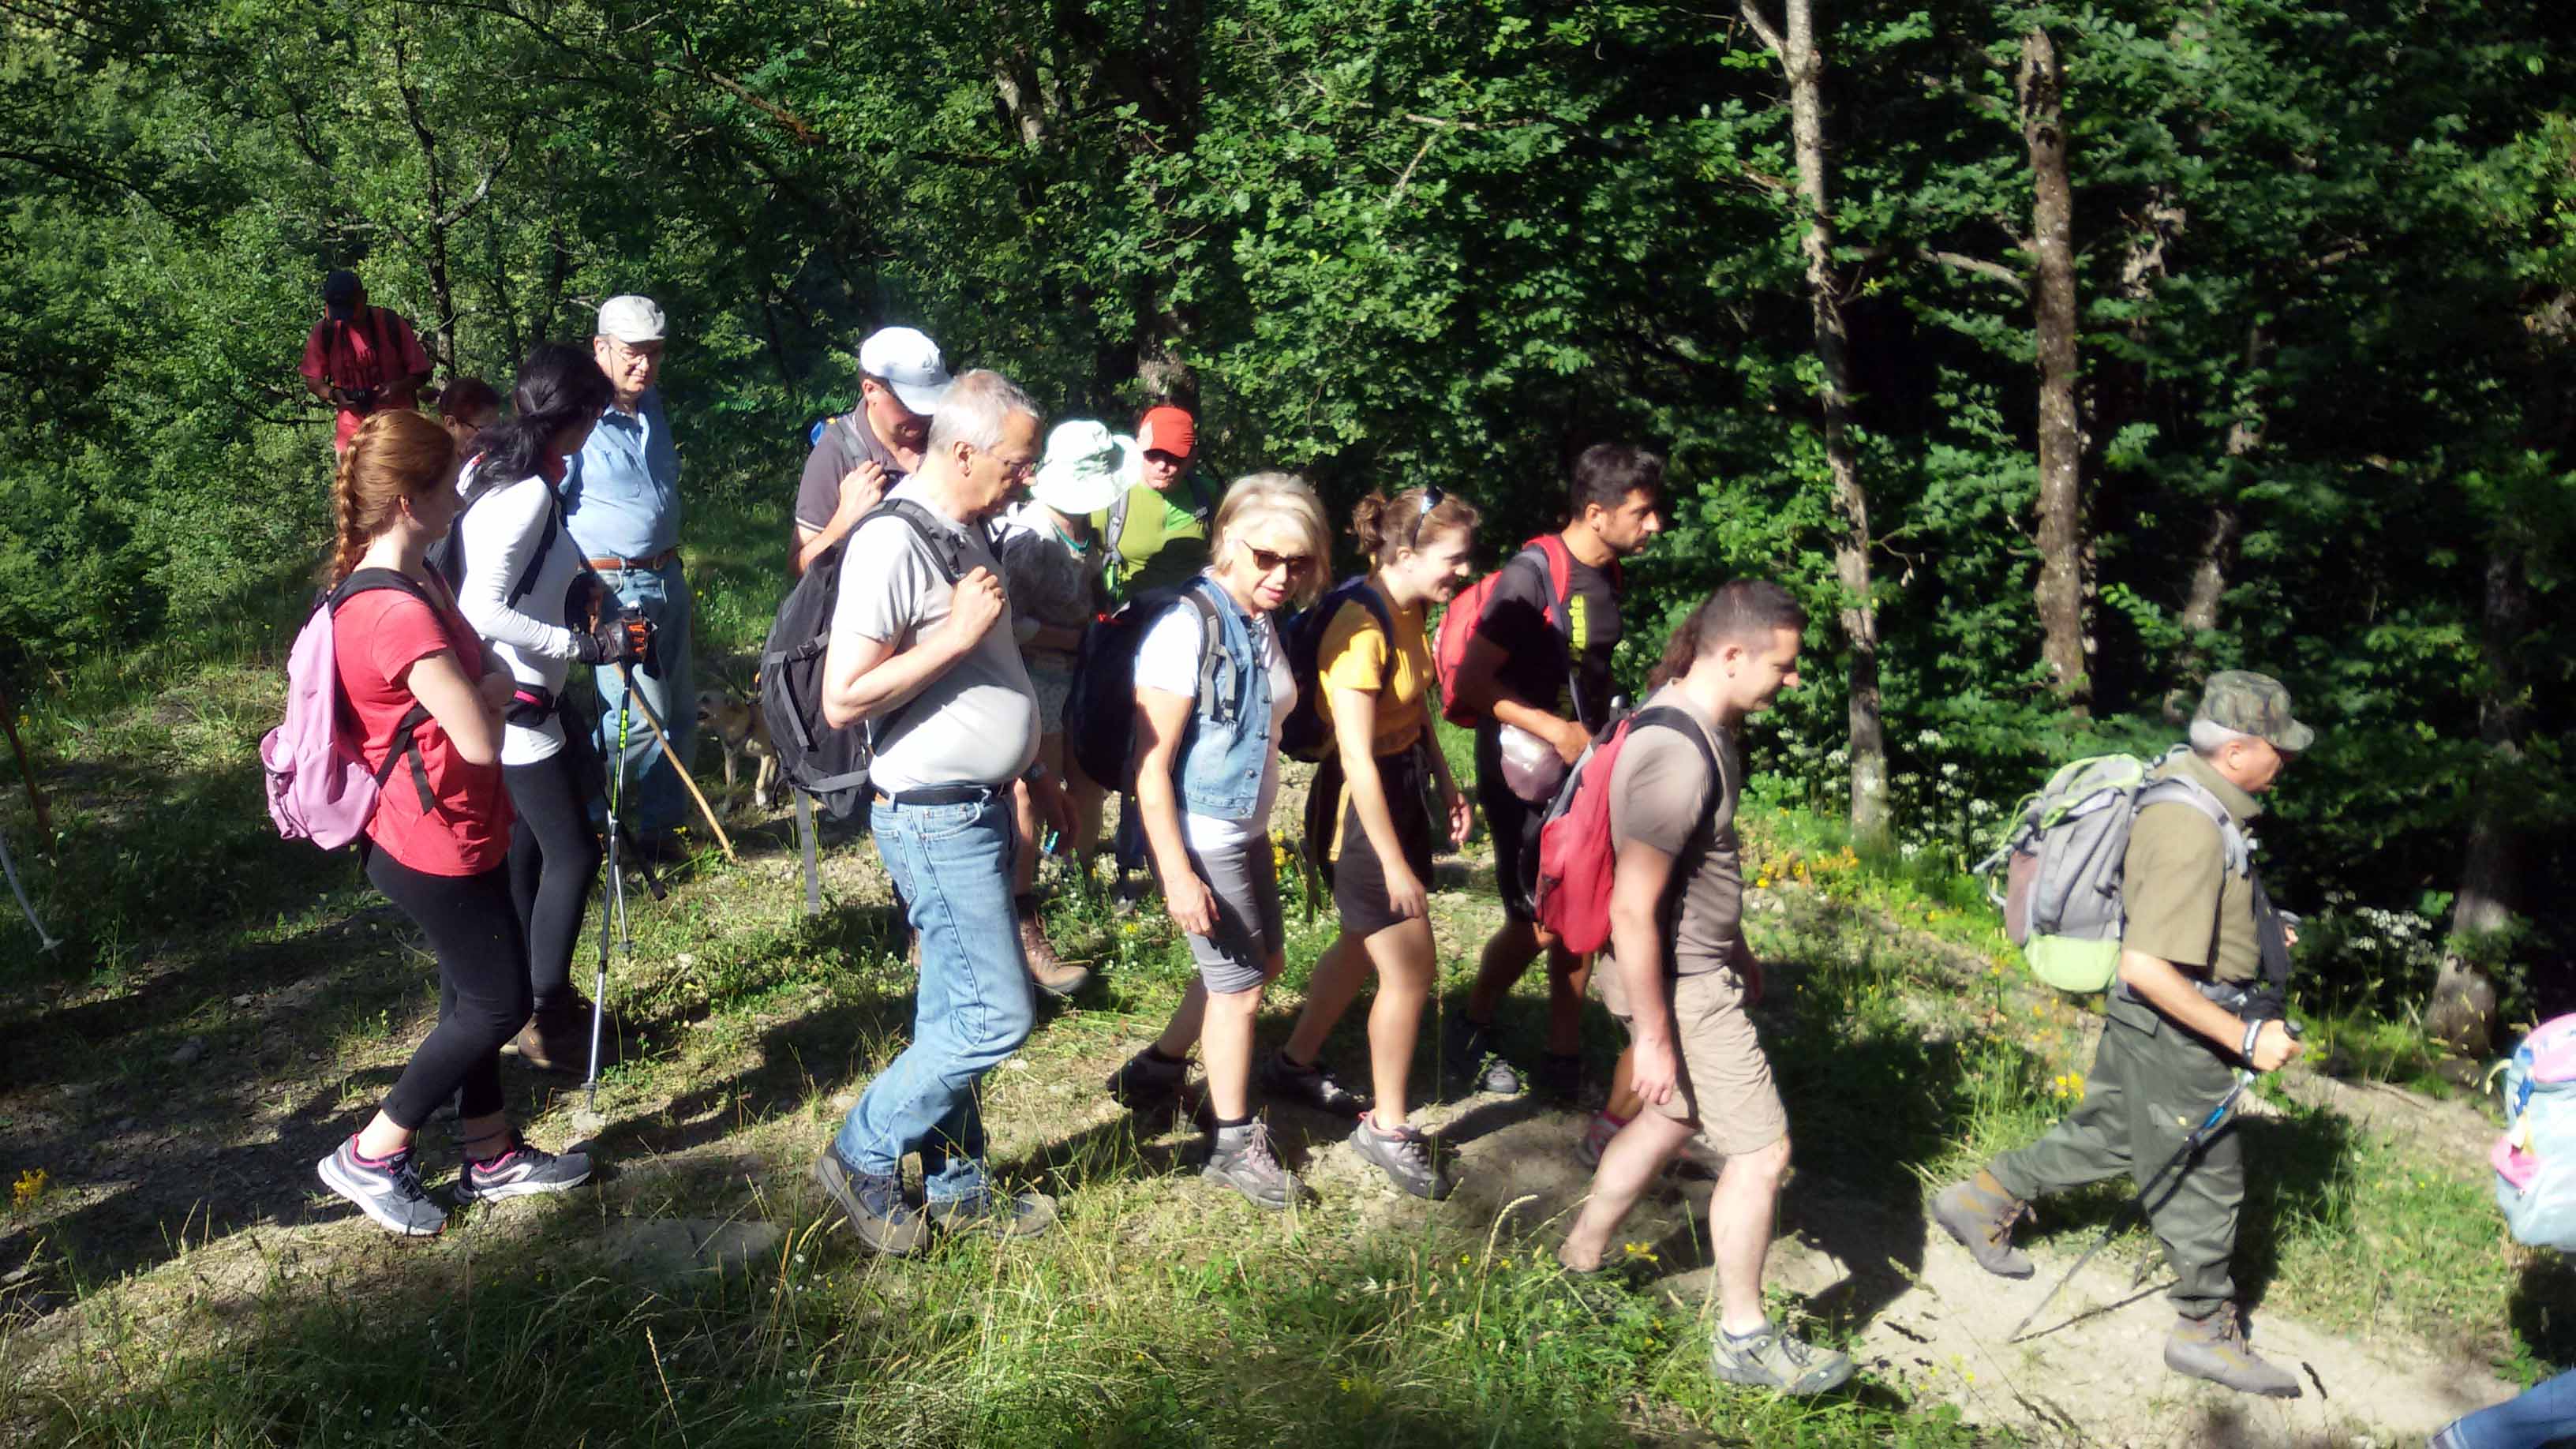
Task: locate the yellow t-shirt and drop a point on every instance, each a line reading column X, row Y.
column 1353, row 656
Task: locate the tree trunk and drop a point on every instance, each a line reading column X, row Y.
column 2216, row 559
column 433, row 235
column 1803, row 67
column 2461, row 1013
column 2062, row 595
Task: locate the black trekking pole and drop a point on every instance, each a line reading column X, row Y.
column 615, row 906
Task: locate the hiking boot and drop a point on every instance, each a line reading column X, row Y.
column 388, row 1191
column 1049, row 970
column 1145, row 1082
column 1282, row 1079
column 1770, row 1359
column 1559, row 1076
column 1004, row 1215
column 1243, row 1160
column 873, row 1203
column 1405, row 1156
column 523, row 1171
column 557, row 1036
column 1980, row 1214
column 1472, row 1063
column 2214, row 1348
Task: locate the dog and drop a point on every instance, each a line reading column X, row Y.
column 737, row 724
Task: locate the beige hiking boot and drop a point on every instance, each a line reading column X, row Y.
column 2214, row 1348
column 1051, row 973
column 557, row 1038
column 1980, row 1214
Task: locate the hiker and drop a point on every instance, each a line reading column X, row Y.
column 437, row 845
column 932, row 669
column 1156, row 532
column 467, row 406
column 1367, row 808
column 1208, row 719
column 1052, row 573
column 361, row 359
column 2184, row 1016
column 520, row 575
column 2541, row 1415
column 622, row 505
column 873, row 446
column 1538, row 671
column 1678, row 878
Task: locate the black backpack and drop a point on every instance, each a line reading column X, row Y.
column 829, row 764
column 446, row 556
column 1304, row 735
column 1100, row 714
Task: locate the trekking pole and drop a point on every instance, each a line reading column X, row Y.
column 653, row 722
column 614, row 906
column 10, row 867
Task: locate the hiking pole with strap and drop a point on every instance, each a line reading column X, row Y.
column 653, row 722
column 613, row 907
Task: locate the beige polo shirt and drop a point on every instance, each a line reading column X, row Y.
column 2184, row 905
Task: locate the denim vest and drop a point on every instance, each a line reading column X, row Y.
column 1226, row 749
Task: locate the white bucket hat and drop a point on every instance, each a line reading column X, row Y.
column 1085, row 468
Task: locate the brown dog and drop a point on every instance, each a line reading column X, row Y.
column 736, row 722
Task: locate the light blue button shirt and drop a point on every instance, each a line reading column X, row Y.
column 622, row 490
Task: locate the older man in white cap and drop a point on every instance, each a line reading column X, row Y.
column 1051, row 568
column 872, row 447
column 622, row 506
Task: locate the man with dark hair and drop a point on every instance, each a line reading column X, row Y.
column 360, row 358
column 869, row 449
column 1538, row 672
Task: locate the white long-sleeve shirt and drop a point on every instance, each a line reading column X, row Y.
column 500, row 533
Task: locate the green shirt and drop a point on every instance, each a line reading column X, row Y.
column 1164, row 540
column 2184, row 905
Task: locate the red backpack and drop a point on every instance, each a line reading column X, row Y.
column 1466, row 614
column 1576, row 855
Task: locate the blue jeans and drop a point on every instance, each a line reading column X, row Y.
column 2544, row 1414
column 655, row 801
column 973, row 1005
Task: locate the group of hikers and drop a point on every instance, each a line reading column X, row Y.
column 977, row 555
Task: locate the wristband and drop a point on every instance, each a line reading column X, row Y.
column 2253, row 1033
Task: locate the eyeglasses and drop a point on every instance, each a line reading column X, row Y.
column 1013, row 471
column 1264, row 561
column 1432, row 498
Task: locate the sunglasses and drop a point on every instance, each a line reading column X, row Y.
column 1432, row 498
column 1264, row 561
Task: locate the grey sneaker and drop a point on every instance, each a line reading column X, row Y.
column 873, row 1203
column 1004, row 1215
column 1405, row 1156
column 2214, row 1348
column 1771, row 1359
column 1143, row 1083
column 1308, row 1086
column 388, row 1191
column 1472, row 1062
column 1243, row 1160
column 521, row 1172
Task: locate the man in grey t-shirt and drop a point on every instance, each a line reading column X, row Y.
column 865, row 452
column 920, row 661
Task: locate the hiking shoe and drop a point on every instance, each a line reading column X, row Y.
column 557, row 1037
column 1308, row 1086
column 1472, row 1063
column 1559, row 1076
column 1049, row 970
column 1770, row 1359
column 1145, row 1082
column 1243, row 1160
column 1004, row 1215
column 388, row 1191
column 1405, row 1156
column 873, row 1203
column 523, row 1171
column 2214, row 1348
column 1596, row 1140
column 1980, row 1214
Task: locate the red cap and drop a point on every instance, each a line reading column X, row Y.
column 1169, row 429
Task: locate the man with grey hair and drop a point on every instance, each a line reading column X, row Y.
column 2186, row 1014
column 915, row 657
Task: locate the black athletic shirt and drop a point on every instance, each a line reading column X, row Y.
column 1534, row 669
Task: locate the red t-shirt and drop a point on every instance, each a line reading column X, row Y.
column 376, row 638
column 344, row 354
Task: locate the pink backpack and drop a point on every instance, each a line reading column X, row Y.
column 318, row 787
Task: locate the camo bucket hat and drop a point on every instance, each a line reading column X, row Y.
column 2257, row 705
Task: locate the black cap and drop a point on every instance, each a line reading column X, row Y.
column 340, row 292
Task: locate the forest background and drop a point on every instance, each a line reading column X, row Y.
column 2057, row 355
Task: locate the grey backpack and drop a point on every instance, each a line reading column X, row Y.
column 2061, row 859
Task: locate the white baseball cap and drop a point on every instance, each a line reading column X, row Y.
column 908, row 362
column 630, row 319
column 1085, row 468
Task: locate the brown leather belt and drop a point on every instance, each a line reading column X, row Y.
column 610, row 565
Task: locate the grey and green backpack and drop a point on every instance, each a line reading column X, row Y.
column 2056, row 872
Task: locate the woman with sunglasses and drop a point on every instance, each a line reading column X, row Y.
column 1374, row 669
column 1208, row 717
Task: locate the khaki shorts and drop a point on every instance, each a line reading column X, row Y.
column 1725, row 1084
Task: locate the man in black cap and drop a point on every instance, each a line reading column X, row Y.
column 360, row 358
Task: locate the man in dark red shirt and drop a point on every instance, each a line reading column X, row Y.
column 360, row 358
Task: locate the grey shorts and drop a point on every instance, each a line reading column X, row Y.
column 1054, row 690
column 1249, row 926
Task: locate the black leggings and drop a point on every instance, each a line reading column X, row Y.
column 554, row 855
column 482, row 986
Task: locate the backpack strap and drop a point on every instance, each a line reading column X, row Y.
column 1116, row 533
column 1556, row 566
column 1214, row 662
column 545, row 541
column 936, row 533
column 2173, row 788
column 405, row 743
column 1665, row 716
column 1378, row 610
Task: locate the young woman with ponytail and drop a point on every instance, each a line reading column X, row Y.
column 523, row 589
column 1375, row 682
column 438, row 841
